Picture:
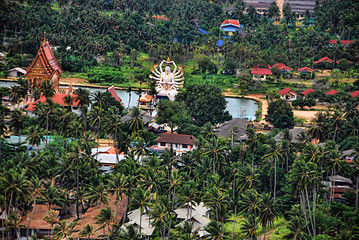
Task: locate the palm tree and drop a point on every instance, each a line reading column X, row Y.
column 97, row 193
column 64, row 229
column 249, row 203
column 355, row 172
column 247, row 178
column 87, row 231
column 129, row 90
column 47, row 88
column 36, row 188
column 296, row 227
column 105, row 218
column 215, row 150
column 267, row 211
column 51, row 218
column 140, row 199
column 158, row 215
column 252, row 142
column 214, row 230
column 275, row 153
column 318, row 129
column 69, row 100
column 186, row 231
column 17, row 119
column 216, row 198
column 96, row 116
column 131, row 233
column 13, row 222
column 118, row 185
column 112, row 126
column 249, row 228
column 44, row 112
column 52, row 195
column 136, row 122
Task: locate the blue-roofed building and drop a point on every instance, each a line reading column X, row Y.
column 202, row 31
column 220, row 43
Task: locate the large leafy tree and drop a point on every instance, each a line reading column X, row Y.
column 280, row 114
column 205, row 104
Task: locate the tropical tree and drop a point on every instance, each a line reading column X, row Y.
column 249, row 228
column 140, row 199
column 63, row 229
column 16, row 123
column 267, row 211
column 51, row 218
column 87, row 231
column 36, row 188
column 47, row 88
column 274, row 153
column 118, row 186
column 136, row 122
column 105, row 218
column 13, row 223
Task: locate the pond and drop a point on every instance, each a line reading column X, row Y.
column 237, row 107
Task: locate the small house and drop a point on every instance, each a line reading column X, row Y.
column 288, row 94
column 337, row 185
column 146, row 101
column 113, row 93
column 235, row 128
column 324, row 59
column 181, row 143
column 305, row 70
column 17, row 72
column 260, row 73
column 282, row 67
column 306, row 92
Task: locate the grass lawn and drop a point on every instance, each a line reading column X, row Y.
column 280, row 228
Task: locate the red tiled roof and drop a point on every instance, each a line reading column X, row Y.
column 146, row 98
column 305, row 69
column 331, row 92
column 112, row 90
column 343, row 59
column 324, row 59
column 57, row 98
column 342, row 41
column 282, row 66
column 355, row 93
column 47, row 58
column 231, row 21
column 286, row 90
column 176, row 138
column 261, row 71
column 306, row 92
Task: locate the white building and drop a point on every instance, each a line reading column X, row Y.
column 180, row 143
column 17, row 72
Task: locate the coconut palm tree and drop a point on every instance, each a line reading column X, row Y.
column 13, row 223
column 63, row 229
column 51, row 218
column 105, row 218
column 274, row 153
column 186, row 231
column 252, row 142
column 131, row 233
column 214, row 230
column 47, row 88
column 87, row 231
column 97, row 193
column 158, row 214
column 136, row 122
column 355, row 173
column 247, row 178
column 216, row 198
column 249, row 228
column 69, row 101
column 267, row 211
column 296, row 230
column 112, row 126
column 16, row 123
column 36, row 135
column 140, row 199
column 118, row 186
column 249, row 203
column 95, row 118
column 36, row 189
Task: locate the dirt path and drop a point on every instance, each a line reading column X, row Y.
column 267, row 235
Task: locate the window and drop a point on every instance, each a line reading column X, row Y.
column 163, row 144
column 176, row 145
column 184, row 145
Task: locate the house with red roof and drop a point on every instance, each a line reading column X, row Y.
column 355, row 93
column 305, row 69
column 344, row 60
column 260, row 73
column 58, row 98
column 146, row 101
column 181, row 143
column 331, row 92
column 288, row 94
column 230, row 26
column 306, row 92
column 282, row 67
column 324, row 59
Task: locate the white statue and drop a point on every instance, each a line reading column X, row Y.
column 168, row 82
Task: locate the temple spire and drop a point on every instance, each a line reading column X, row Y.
column 45, row 40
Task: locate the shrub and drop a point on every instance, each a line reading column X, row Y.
column 105, row 76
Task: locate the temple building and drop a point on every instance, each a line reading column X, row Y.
column 44, row 67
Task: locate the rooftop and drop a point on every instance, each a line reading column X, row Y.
column 176, row 138
column 282, row 66
column 225, row 130
column 58, row 98
column 305, row 69
column 306, row 92
column 261, row 71
column 324, row 59
column 332, row 92
column 355, row 93
column 286, row 91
